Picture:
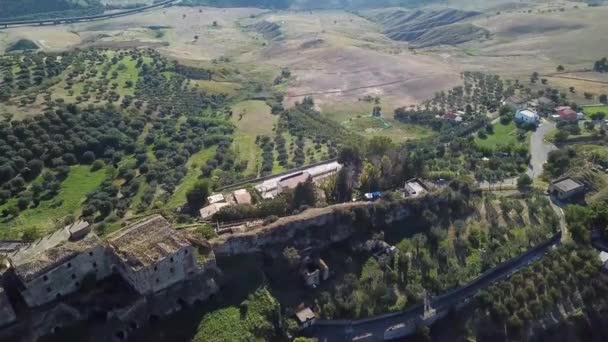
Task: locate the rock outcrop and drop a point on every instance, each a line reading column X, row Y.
column 319, row 228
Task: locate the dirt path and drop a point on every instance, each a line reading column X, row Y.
column 401, row 81
column 577, row 79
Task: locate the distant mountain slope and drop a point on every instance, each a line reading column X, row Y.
column 311, row 4
column 42, row 9
column 427, row 28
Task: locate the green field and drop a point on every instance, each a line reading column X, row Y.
column 251, row 118
column 73, row 192
column 129, row 73
column 370, row 126
column 215, row 87
column 595, row 109
column 503, row 135
column 357, row 117
column 194, row 171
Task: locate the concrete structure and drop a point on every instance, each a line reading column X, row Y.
column 566, row 188
column 78, row 230
column 306, row 317
column 11, row 246
column 415, row 187
column 292, row 181
column 217, row 198
column 527, row 116
column 314, row 271
column 210, row 210
column 151, row 256
column 242, row 196
column 54, row 267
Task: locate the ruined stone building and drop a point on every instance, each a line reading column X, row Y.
column 314, row 271
column 55, row 266
column 151, row 256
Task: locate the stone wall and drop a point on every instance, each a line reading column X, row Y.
column 319, row 227
column 7, row 315
column 160, row 275
column 121, row 321
column 67, row 277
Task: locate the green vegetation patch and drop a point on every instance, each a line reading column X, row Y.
column 194, row 171
column 252, row 119
column 252, row 321
column 217, row 87
column 504, row 135
column 22, row 45
column 370, row 126
column 590, row 110
column 44, row 217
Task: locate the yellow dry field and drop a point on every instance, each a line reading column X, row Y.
column 339, row 57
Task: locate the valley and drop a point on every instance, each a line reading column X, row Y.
column 291, row 170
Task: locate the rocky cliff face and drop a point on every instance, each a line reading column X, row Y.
column 424, row 28
column 317, row 228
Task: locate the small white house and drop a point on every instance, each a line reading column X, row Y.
column 527, row 116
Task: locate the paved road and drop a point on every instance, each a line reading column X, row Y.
column 57, row 21
column 539, row 148
column 539, row 153
column 373, row 329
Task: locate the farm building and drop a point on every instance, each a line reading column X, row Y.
column 242, row 196
column 290, row 182
column 527, row 116
column 306, row 317
column 415, row 187
column 566, row 188
column 566, row 113
column 210, row 210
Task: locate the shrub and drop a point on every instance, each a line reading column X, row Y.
column 97, row 165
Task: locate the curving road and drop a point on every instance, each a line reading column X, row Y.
column 539, row 153
column 540, row 148
column 373, row 329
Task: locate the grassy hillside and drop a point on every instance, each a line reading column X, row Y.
column 74, row 189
